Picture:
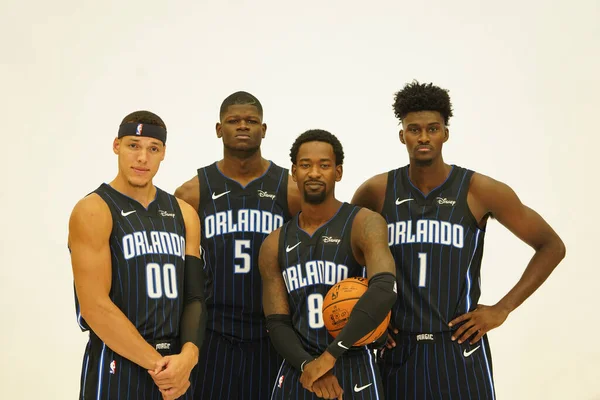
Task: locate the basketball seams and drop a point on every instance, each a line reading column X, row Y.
column 354, row 285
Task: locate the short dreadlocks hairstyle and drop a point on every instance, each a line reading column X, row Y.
column 417, row 96
column 318, row 135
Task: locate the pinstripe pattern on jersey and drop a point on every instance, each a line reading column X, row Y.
column 357, row 374
column 235, row 220
column 437, row 370
column 311, row 265
column 147, row 259
column 438, row 248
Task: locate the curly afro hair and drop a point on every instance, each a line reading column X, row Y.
column 417, row 96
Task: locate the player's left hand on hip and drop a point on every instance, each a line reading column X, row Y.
column 316, row 369
column 478, row 322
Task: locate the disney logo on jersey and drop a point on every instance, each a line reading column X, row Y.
column 444, row 201
column 331, row 239
column 262, row 193
column 166, row 214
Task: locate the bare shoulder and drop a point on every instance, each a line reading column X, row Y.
column 91, row 206
column 371, row 194
column 190, row 192
column 368, row 221
column 271, row 242
column 189, row 213
column 268, row 254
column 369, row 234
column 488, row 196
column 481, row 184
column 487, row 190
column 90, row 216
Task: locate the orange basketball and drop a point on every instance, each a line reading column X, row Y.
column 338, row 304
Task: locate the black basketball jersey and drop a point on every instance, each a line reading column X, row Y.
column 311, row 265
column 235, row 220
column 438, row 248
column 147, row 250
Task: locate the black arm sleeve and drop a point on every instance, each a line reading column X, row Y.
column 286, row 341
column 193, row 318
column 367, row 314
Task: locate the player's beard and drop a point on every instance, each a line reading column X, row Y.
column 315, row 198
column 138, row 185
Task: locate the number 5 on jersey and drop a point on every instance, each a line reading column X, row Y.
column 242, row 251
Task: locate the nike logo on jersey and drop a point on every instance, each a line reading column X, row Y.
column 468, row 353
column 288, row 248
column 398, row 201
column 361, row 388
column 123, row 213
column 216, row 196
column 344, row 347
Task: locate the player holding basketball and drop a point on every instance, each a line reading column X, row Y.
column 437, row 214
column 326, row 242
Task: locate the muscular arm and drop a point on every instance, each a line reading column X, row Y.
column 90, row 227
column 276, row 306
column 370, row 246
column 371, row 193
column 487, row 196
column 193, row 319
column 190, row 192
column 500, row 200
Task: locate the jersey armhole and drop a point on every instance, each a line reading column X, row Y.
column 283, row 192
column 464, row 197
column 390, row 185
column 104, row 197
column 203, row 189
column 281, row 242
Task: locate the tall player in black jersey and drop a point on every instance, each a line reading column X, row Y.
column 138, row 276
column 240, row 200
column 326, row 242
column 436, row 215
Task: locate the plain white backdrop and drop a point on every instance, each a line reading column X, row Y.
column 523, row 77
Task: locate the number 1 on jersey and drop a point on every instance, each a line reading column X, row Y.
column 239, row 247
column 422, row 269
